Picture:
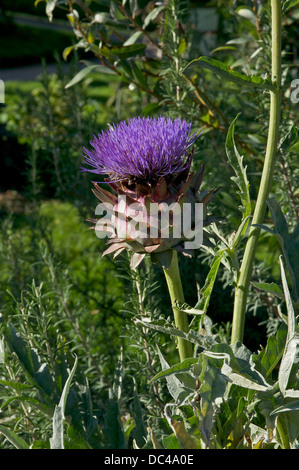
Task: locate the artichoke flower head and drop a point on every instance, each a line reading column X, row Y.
column 149, row 183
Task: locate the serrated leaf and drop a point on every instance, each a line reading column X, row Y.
column 236, row 162
column 240, row 232
column 232, row 75
column 271, row 288
column 192, row 336
column 207, row 289
column 159, row 325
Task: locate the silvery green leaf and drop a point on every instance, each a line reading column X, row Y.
column 291, row 406
column 57, row 440
column 241, row 180
column 290, row 354
column 242, row 381
column 174, row 385
column 207, row 289
column 183, row 366
column 212, row 389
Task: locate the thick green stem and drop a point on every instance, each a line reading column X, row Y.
column 266, row 181
column 173, row 279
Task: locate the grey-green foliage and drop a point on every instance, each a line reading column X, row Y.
column 46, row 320
column 66, row 411
column 39, row 388
column 288, row 242
column 208, row 382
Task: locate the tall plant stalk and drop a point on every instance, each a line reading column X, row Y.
column 173, row 279
column 266, row 180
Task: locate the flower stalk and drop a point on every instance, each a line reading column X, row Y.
column 265, row 183
column 174, row 283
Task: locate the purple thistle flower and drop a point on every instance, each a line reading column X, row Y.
column 142, row 149
column 147, row 160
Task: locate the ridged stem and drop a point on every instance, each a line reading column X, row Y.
column 174, row 283
column 265, row 183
